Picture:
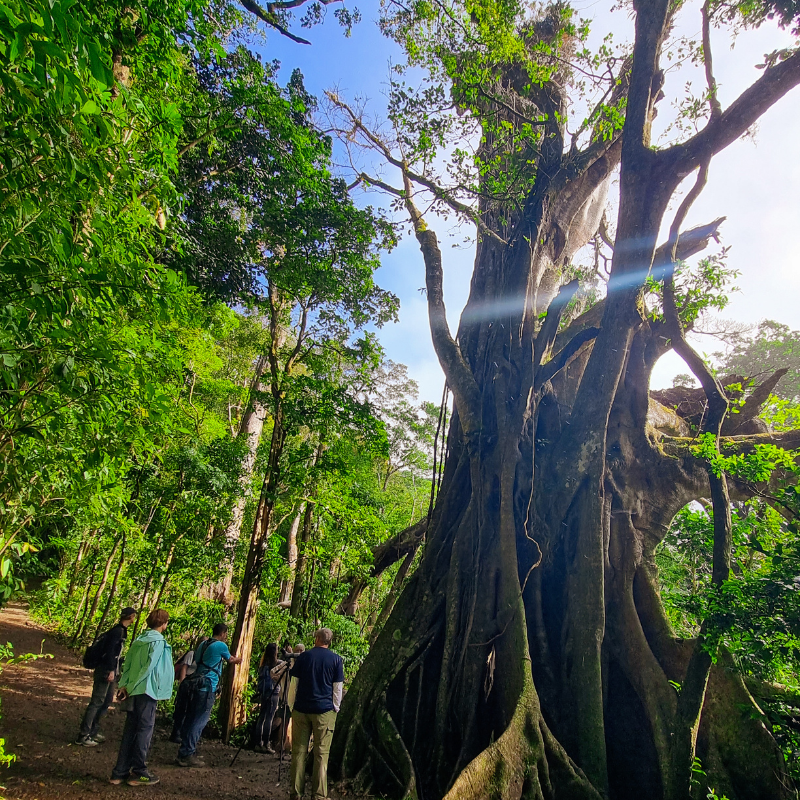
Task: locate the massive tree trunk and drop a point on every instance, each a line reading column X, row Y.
column 529, row 655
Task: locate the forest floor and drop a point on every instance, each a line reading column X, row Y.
column 41, row 708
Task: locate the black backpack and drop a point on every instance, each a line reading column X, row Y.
column 93, row 656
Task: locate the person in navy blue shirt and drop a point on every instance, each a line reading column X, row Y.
column 315, row 694
column 202, row 692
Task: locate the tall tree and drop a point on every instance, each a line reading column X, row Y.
column 272, row 228
column 531, row 641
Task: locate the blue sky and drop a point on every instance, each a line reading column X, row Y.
column 755, row 183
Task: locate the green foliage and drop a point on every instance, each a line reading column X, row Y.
column 698, row 289
column 756, row 613
column 753, row 13
column 8, row 659
column 771, row 347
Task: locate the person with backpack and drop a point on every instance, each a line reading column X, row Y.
column 202, row 692
column 184, row 667
column 270, row 672
column 103, row 656
column 146, row 678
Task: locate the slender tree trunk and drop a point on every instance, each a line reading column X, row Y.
column 144, row 600
column 287, row 585
column 250, row 430
column 83, row 547
column 310, row 588
column 167, row 570
column 84, row 603
column 232, row 711
column 298, row 590
column 113, row 591
column 103, row 580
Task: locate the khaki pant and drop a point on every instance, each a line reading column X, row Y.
column 303, row 725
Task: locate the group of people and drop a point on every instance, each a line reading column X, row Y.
column 309, row 682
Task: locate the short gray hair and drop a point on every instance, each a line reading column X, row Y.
column 323, row 636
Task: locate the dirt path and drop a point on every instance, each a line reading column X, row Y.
column 42, row 704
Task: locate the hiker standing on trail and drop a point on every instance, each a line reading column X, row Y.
column 315, row 694
column 146, row 679
column 202, row 692
column 103, row 657
column 184, row 667
column 270, row 674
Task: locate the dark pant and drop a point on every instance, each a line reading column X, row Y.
column 200, row 705
column 181, row 712
column 102, row 696
column 261, row 733
column 136, row 737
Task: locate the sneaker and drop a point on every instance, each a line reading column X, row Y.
column 142, row 780
column 260, row 749
column 86, row 741
column 270, row 749
column 117, row 781
column 99, row 738
column 190, row 761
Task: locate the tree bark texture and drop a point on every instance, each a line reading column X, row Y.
column 529, row 655
column 250, row 429
column 287, row 586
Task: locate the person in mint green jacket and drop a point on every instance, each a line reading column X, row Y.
column 146, row 678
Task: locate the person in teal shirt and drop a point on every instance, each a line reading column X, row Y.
column 146, row 679
column 202, row 692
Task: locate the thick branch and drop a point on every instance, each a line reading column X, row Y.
column 456, row 370
column 384, row 555
column 269, row 17
column 651, row 25
column 711, row 83
column 773, row 691
column 439, row 192
column 563, row 358
column 547, row 334
column 757, row 398
column 744, row 112
column 681, row 447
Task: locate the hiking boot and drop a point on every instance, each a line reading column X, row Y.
column 86, row 741
column 190, row 761
column 142, row 780
column 175, row 739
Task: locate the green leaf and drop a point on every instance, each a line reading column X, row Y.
column 90, row 107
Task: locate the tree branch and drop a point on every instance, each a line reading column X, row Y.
column 457, row 372
column 548, row 371
column 759, row 396
column 726, row 128
column 437, row 191
column 713, row 100
column 269, row 17
column 547, row 334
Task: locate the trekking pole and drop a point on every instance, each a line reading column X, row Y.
column 283, row 725
column 249, row 738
